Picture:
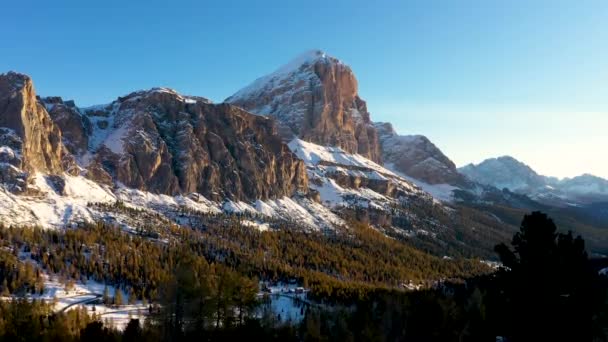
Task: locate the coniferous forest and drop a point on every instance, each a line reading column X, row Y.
column 203, row 285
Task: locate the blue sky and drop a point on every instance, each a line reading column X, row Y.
column 479, row 78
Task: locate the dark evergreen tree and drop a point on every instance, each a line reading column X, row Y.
column 547, row 289
column 133, row 331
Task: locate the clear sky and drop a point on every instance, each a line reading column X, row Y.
column 480, row 78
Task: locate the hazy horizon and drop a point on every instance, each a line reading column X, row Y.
column 480, row 79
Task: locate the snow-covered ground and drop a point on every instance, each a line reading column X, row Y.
column 441, row 192
column 48, row 207
column 89, row 295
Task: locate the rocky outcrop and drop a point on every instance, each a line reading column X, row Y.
column 417, row 157
column 34, row 138
column 75, row 127
column 163, row 142
column 314, row 98
column 386, row 186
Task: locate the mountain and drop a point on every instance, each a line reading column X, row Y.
column 416, row 156
column 314, row 98
column 161, row 141
column 584, row 184
column 507, row 172
column 158, row 157
column 154, row 150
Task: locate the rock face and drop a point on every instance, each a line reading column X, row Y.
column 75, row 127
column 162, row 142
column 27, row 128
column 314, row 98
column 154, row 140
column 29, row 139
column 417, row 157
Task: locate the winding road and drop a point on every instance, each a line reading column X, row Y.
column 84, row 301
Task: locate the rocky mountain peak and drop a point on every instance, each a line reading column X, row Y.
column 29, row 139
column 314, row 97
column 417, row 157
column 160, row 93
column 161, row 141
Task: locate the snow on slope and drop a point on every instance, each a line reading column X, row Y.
column 273, row 79
column 48, row 207
column 442, row 192
column 313, row 154
column 54, row 202
column 327, row 166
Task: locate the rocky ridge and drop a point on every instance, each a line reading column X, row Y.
column 508, row 173
column 417, row 157
column 163, row 142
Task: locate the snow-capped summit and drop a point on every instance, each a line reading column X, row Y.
column 287, row 70
column 314, row 97
column 505, row 172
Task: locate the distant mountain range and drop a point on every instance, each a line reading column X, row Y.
column 507, row 172
column 295, row 147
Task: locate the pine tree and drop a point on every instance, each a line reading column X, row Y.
column 118, row 300
column 132, row 298
column 5, row 291
column 106, row 295
column 548, row 287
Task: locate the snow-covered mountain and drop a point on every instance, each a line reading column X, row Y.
column 154, row 150
column 164, row 153
column 507, row 172
column 308, row 158
column 314, row 97
column 160, row 141
column 584, row 184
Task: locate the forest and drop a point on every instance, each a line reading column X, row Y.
column 204, row 285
